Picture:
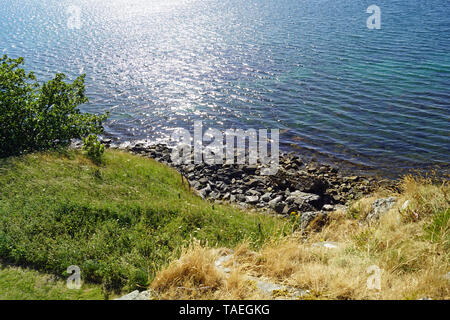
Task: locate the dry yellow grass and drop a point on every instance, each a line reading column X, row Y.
column 194, row 276
column 409, row 245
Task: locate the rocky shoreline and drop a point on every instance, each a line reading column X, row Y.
column 307, row 189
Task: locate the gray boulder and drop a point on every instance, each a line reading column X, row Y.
column 308, row 217
column 251, row 199
column 266, row 197
column 136, row 295
column 380, row 207
column 299, row 197
column 303, row 201
column 273, row 203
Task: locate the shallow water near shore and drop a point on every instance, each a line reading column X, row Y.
column 374, row 99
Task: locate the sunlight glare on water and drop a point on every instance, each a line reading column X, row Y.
column 312, row 69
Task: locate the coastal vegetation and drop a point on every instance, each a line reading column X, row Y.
column 40, row 116
column 120, row 222
column 21, row 283
column 133, row 222
column 409, row 246
column 117, row 216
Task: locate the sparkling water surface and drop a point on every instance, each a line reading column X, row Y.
column 311, row 68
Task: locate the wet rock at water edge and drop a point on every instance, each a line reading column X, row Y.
column 297, row 186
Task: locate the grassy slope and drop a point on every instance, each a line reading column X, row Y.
column 410, row 245
column 120, row 222
column 24, row 284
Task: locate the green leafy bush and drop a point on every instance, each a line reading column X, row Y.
column 94, row 148
column 36, row 116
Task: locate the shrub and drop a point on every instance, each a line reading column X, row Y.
column 37, row 116
column 94, row 148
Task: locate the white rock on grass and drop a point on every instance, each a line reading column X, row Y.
column 326, row 244
column 136, row 295
column 131, row 296
column 277, row 291
column 405, row 205
column 220, row 261
column 267, row 288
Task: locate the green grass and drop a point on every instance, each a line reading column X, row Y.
column 120, row 222
column 439, row 228
column 24, row 284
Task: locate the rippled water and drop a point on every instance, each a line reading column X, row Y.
column 311, row 68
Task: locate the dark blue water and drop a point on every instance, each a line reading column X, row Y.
column 311, row 68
